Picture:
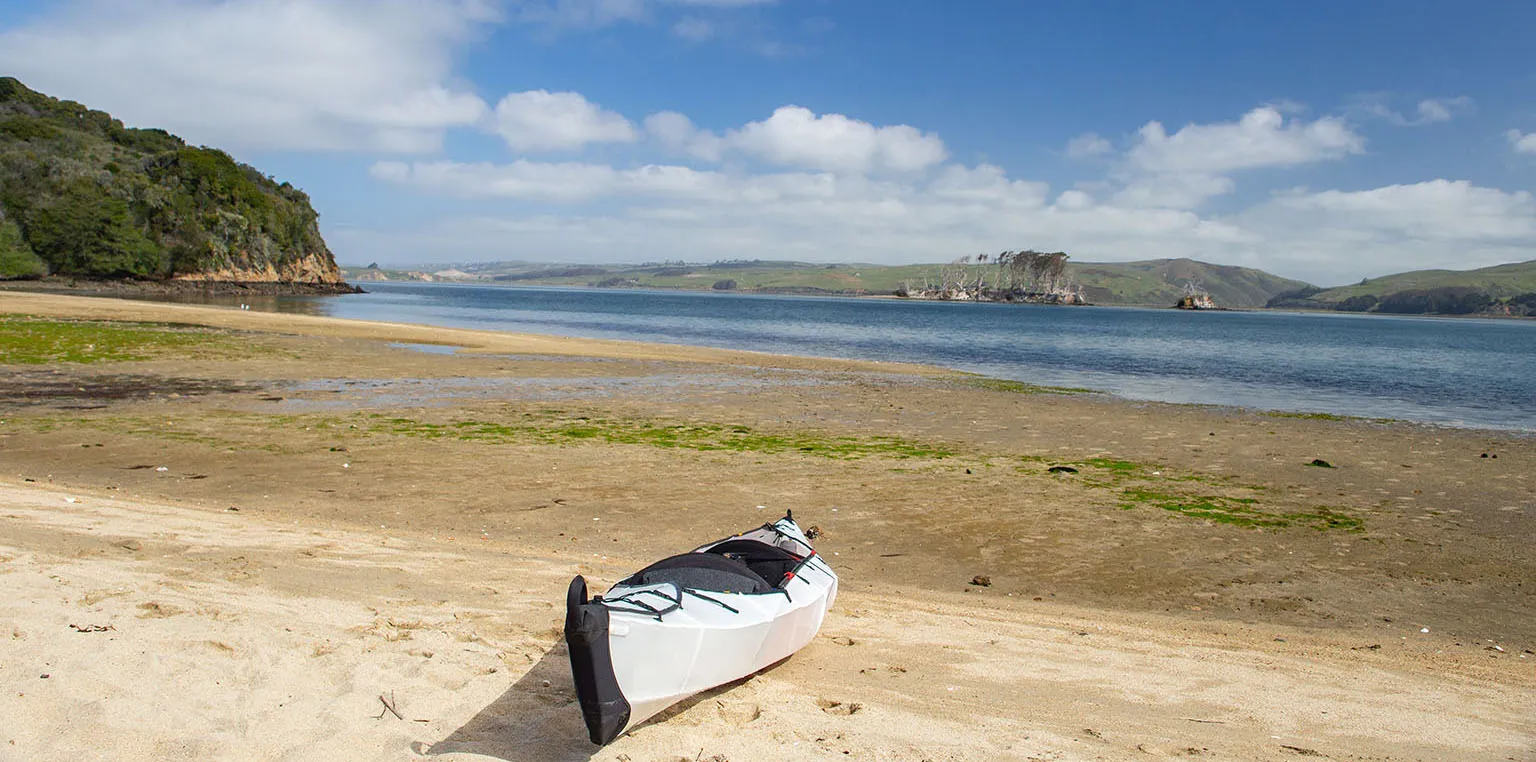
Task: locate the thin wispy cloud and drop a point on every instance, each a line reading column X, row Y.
column 1425, row 112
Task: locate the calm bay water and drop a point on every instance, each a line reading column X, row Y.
column 1460, row 372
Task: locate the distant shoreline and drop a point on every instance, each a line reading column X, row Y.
column 818, row 293
column 1503, row 290
column 131, row 287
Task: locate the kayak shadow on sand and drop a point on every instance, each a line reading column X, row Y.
column 535, row 720
column 538, row 720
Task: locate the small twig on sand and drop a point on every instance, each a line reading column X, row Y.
column 389, row 705
column 1305, row 752
column 1208, row 722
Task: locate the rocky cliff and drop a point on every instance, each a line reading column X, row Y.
column 83, row 196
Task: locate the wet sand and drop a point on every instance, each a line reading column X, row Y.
column 1192, row 587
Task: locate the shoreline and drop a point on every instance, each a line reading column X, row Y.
column 1155, row 562
column 1277, row 409
column 821, row 294
column 128, row 288
column 124, row 287
column 479, row 339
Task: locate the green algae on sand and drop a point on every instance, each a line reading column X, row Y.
column 28, row 340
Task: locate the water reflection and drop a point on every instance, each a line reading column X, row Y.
column 293, row 305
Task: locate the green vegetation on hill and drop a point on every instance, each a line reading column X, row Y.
column 1497, row 281
column 1500, row 290
column 80, row 194
column 17, row 260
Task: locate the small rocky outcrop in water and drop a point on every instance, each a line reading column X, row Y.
column 82, row 195
column 1195, row 298
column 1026, row 276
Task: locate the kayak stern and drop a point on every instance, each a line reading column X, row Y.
column 603, row 705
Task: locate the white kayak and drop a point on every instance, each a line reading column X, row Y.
column 693, row 621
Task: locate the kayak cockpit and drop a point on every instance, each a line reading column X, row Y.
column 733, row 566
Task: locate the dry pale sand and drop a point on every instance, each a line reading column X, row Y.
column 232, row 637
column 294, row 562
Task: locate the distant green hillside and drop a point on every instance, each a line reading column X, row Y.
column 80, row 194
column 1498, row 281
column 1501, row 290
column 1156, row 283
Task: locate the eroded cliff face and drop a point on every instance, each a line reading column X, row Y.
column 317, row 268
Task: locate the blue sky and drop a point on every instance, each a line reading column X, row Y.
column 1323, row 141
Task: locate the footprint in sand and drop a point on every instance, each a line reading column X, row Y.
column 94, row 597
column 739, row 714
column 839, row 708
column 157, row 610
column 221, row 647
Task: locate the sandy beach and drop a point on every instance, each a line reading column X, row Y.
column 228, row 534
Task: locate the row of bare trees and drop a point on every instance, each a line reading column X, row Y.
column 1025, row 275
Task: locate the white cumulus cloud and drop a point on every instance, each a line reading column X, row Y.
column 575, row 182
column 260, row 74
column 1442, row 210
column 986, row 183
column 796, row 136
column 1189, row 167
column 1522, row 142
column 679, row 134
column 538, row 120
column 1074, row 200
column 1263, row 137
column 563, row 182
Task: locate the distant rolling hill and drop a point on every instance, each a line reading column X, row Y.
column 1498, row 281
column 1150, row 283
column 1500, row 290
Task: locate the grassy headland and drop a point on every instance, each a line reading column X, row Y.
column 83, row 195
